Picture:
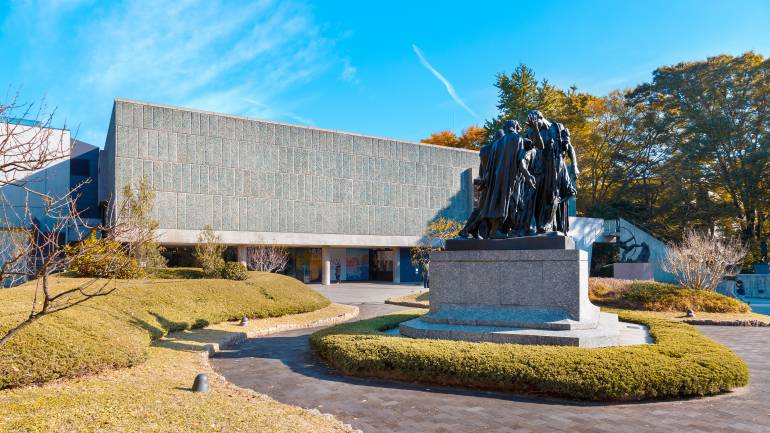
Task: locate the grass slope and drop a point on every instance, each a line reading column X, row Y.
column 116, row 330
column 681, row 363
column 415, row 300
column 154, row 396
column 655, row 296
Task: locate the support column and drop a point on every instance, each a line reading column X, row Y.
column 243, row 255
column 326, row 266
column 396, row 265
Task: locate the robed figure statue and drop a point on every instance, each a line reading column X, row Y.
column 524, row 182
column 473, row 226
column 554, row 187
column 501, row 174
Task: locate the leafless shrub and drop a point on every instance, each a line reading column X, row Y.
column 267, row 258
column 701, row 260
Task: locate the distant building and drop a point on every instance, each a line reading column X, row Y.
column 76, row 163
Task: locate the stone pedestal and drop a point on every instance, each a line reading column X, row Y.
column 633, row 271
column 530, row 296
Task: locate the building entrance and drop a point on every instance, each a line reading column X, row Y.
column 381, row 264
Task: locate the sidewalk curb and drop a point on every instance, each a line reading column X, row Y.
column 211, row 349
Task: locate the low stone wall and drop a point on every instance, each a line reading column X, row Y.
column 712, row 322
column 211, row 349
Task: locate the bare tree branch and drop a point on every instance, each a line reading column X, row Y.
column 33, row 232
column 268, row 258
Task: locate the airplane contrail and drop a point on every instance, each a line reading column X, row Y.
column 449, row 87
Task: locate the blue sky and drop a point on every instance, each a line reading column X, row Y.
column 394, row 69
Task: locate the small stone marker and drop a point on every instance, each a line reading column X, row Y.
column 690, row 313
column 245, row 321
column 201, row 383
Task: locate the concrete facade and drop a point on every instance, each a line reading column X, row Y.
column 266, row 183
column 256, row 182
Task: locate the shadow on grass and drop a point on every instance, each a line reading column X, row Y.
column 194, row 340
column 166, row 327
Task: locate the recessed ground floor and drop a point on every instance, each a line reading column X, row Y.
column 328, row 265
column 325, row 264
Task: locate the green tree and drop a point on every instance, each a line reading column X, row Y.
column 148, row 254
column 209, row 253
column 718, row 109
column 521, row 92
column 436, row 234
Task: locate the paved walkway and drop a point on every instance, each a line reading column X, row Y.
column 365, row 292
column 282, row 366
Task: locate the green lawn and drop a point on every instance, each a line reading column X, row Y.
column 154, row 395
column 116, row 331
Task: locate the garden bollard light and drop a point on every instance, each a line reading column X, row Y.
column 201, row 383
column 245, row 321
column 690, row 313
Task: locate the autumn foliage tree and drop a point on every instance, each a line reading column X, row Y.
column 433, row 239
column 690, row 150
column 471, row 138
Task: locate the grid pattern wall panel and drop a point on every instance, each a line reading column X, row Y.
column 249, row 175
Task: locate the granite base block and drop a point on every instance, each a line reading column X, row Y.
column 513, row 279
column 633, row 271
column 537, row 296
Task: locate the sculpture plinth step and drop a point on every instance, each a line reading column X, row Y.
column 606, row 333
column 539, row 242
column 506, row 316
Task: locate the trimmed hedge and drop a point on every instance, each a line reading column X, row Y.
column 235, row 271
column 115, row 331
column 175, row 273
column 655, row 296
column 681, row 363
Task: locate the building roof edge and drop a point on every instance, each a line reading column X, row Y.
column 173, row 107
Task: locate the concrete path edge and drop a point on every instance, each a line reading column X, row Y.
column 211, row 349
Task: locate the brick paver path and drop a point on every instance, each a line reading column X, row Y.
column 282, row 367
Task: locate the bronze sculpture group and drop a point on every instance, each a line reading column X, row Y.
column 524, row 182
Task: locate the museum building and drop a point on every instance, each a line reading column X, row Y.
column 342, row 203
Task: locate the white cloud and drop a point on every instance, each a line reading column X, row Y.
column 349, row 71
column 449, row 87
column 207, row 55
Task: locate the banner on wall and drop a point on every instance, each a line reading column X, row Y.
column 357, row 264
